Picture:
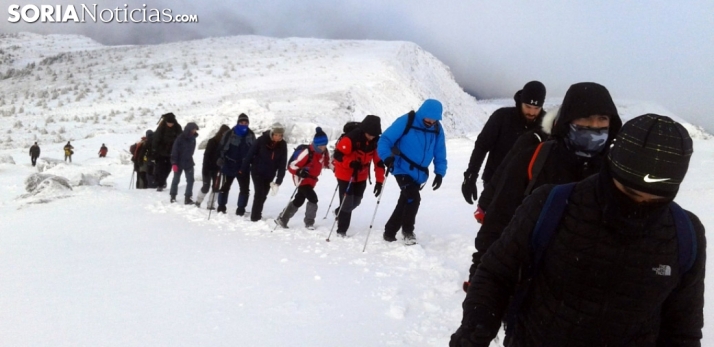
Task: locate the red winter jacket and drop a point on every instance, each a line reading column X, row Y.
column 355, row 146
column 314, row 166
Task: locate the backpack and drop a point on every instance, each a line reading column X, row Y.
column 297, row 151
column 545, row 229
column 412, row 164
column 536, row 164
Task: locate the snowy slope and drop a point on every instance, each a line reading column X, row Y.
column 300, row 82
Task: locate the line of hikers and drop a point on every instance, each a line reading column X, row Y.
column 409, row 146
column 68, row 150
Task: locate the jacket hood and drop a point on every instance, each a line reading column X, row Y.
column 584, row 100
column 189, row 127
column 431, row 109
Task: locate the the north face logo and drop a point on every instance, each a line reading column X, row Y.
column 663, row 270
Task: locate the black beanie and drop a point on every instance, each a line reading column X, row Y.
column 244, row 117
column 651, row 154
column 533, row 93
column 371, row 125
column 169, row 117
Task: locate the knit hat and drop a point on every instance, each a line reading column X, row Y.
column 651, row 154
column 169, row 117
column 371, row 125
column 533, row 93
column 277, row 128
column 243, row 117
column 320, row 138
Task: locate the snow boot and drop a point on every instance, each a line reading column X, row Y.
column 221, row 209
column 187, row 201
column 409, row 239
column 389, row 237
column 199, row 198
column 242, row 203
column 288, row 213
column 173, row 198
column 310, row 213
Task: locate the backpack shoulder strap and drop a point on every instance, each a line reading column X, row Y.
column 410, row 120
column 686, row 238
column 540, row 155
column 548, row 220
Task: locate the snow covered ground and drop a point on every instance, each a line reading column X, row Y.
column 86, row 261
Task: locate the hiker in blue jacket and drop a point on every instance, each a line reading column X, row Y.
column 617, row 263
column 408, row 147
column 233, row 149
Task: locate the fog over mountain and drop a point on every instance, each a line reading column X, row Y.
column 655, row 51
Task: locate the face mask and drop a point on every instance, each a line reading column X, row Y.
column 586, row 141
column 240, row 130
column 626, row 214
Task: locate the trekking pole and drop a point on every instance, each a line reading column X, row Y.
column 332, row 200
column 131, row 182
column 289, row 201
column 342, row 204
column 375, row 211
column 212, row 197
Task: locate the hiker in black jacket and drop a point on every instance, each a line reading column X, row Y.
column 182, row 162
column 210, row 168
column 500, row 133
column 164, row 137
column 34, row 153
column 266, row 158
column 584, row 129
column 234, row 147
column 616, row 270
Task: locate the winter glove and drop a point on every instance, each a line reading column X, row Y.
column 274, row 188
column 377, row 189
column 303, row 173
column 468, row 188
column 389, row 162
column 479, row 214
column 174, row 168
column 437, row 182
column 338, row 155
column 356, row 165
column 220, row 162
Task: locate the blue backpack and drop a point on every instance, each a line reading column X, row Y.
column 548, row 222
column 297, row 151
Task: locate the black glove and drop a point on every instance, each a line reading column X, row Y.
column 389, row 162
column 377, row 189
column 356, row 165
column 338, row 155
column 437, row 182
column 220, row 162
column 303, row 173
column 468, row 188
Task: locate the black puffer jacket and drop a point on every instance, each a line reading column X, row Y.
column 498, row 136
column 597, row 284
column 267, row 158
column 163, row 140
column 183, row 148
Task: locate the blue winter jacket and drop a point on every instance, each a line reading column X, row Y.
column 233, row 149
column 183, row 148
column 421, row 144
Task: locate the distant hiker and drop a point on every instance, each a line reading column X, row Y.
column 586, row 125
column 500, row 133
column 233, row 148
column 34, row 153
column 305, row 168
column 164, row 137
column 182, row 161
column 354, row 154
column 407, row 147
column 266, row 159
column 68, row 151
column 148, row 159
column 103, row 151
column 210, row 168
column 608, row 261
column 138, row 152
